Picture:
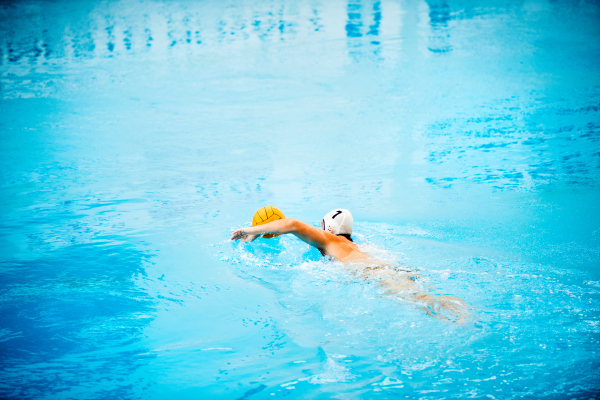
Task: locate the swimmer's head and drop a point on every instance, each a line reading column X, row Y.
column 338, row 222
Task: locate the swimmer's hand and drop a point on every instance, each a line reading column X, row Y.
column 245, row 234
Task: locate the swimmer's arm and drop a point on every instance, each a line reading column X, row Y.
column 309, row 234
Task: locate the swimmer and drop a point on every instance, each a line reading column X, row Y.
column 335, row 240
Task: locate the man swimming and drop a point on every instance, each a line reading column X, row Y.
column 335, row 240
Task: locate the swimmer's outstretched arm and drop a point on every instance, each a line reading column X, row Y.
column 308, row 234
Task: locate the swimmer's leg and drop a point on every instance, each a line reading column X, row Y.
column 405, row 286
column 444, row 307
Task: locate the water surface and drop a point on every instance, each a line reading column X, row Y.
column 464, row 136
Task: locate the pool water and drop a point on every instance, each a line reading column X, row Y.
column 464, row 137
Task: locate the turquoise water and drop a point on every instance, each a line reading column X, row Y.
column 464, row 136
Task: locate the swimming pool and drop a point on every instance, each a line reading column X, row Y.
column 464, row 136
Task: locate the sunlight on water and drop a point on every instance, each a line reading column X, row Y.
column 464, row 136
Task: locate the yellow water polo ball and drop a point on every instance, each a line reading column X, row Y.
column 267, row 214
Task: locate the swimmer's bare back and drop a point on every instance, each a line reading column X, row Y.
column 397, row 284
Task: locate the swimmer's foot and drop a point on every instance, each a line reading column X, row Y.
column 448, row 308
column 444, row 308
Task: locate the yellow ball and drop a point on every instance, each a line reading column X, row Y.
column 267, row 214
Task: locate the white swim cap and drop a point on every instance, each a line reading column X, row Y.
column 338, row 222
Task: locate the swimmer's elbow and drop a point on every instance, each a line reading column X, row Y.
column 291, row 225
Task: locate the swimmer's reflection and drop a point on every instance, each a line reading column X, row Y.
column 335, row 241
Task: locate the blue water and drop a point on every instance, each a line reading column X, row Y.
column 463, row 135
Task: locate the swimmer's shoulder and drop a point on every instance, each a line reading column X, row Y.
column 343, row 249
